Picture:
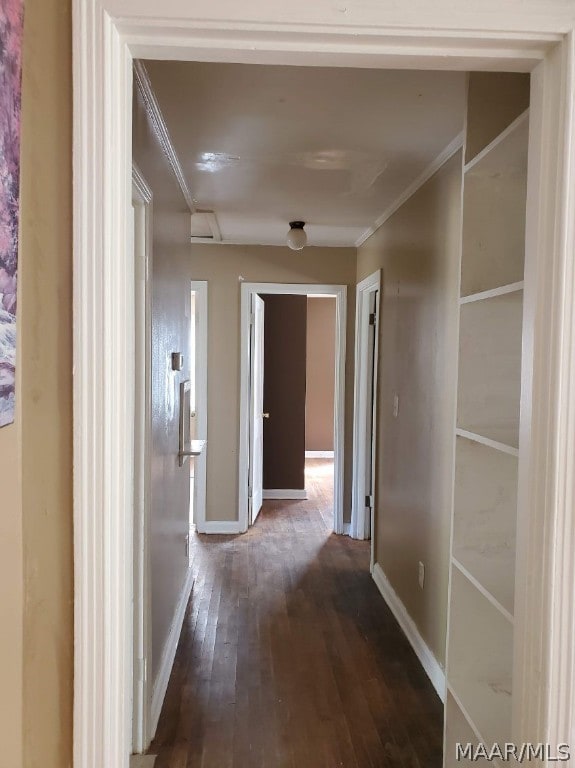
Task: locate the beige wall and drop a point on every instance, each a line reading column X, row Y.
column 418, row 249
column 224, row 266
column 35, row 455
column 170, row 492
column 320, row 378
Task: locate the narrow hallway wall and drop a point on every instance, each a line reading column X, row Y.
column 418, row 250
column 170, row 483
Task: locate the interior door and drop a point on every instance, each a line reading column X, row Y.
column 370, row 414
column 256, row 408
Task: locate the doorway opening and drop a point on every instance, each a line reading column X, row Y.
column 365, row 407
column 253, row 405
column 198, row 400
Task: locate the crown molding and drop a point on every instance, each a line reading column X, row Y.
column 161, row 129
column 445, row 155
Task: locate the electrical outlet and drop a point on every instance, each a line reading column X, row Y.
column 421, row 575
column 395, row 406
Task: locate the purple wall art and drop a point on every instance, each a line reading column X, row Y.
column 11, row 22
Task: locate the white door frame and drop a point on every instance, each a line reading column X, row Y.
column 363, row 292
column 520, row 35
column 340, row 293
column 142, row 638
column 201, row 379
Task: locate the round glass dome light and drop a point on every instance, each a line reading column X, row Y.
column 296, row 237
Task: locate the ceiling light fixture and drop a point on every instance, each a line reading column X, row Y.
column 296, row 237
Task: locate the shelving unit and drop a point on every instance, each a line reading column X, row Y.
column 482, row 578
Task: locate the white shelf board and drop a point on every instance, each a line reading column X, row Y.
column 485, row 519
column 485, row 592
column 503, row 447
column 492, row 292
column 489, row 382
column 458, row 719
column 520, row 123
column 494, row 205
column 480, row 661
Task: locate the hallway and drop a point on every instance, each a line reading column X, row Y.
column 290, row 657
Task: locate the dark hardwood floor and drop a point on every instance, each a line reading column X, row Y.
column 289, row 656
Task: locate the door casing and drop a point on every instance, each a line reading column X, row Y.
column 300, row 289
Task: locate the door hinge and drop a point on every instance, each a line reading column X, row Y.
column 250, row 492
column 372, row 318
column 369, row 501
column 252, row 318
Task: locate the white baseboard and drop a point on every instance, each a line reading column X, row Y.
column 169, row 653
column 347, row 529
column 319, row 454
column 284, row 493
column 220, row 526
column 428, row 661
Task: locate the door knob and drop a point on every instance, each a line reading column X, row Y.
column 265, row 415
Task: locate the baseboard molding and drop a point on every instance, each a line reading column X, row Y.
column 223, row 527
column 285, row 493
column 319, row 454
column 169, row 653
column 424, row 654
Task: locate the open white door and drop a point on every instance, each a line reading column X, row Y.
column 256, row 458
column 366, row 350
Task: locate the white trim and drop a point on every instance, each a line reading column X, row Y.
column 428, row 661
column 201, row 379
column 492, row 293
column 485, row 592
column 319, row 454
column 142, row 605
column 340, row 293
column 511, row 128
column 445, row 155
column 503, row 447
column 169, row 652
column 284, row 493
column 157, row 119
column 222, row 527
column 106, row 35
column 346, row 529
column 359, row 522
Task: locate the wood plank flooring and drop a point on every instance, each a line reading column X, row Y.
column 290, row 658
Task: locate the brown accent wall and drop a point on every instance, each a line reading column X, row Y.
column 320, row 391
column 284, row 391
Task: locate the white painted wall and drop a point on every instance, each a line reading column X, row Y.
column 170, row 333
column 418, row 250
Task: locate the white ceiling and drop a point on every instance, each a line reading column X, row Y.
column 334, row 147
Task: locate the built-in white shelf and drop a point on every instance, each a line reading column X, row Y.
column 485, row 518
column 492, row 293
column 494, row 197
column 489, row 386
column 485, row 592
column 460, row 729
column 510, row 137
column 480, row 659
column 503, row 447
